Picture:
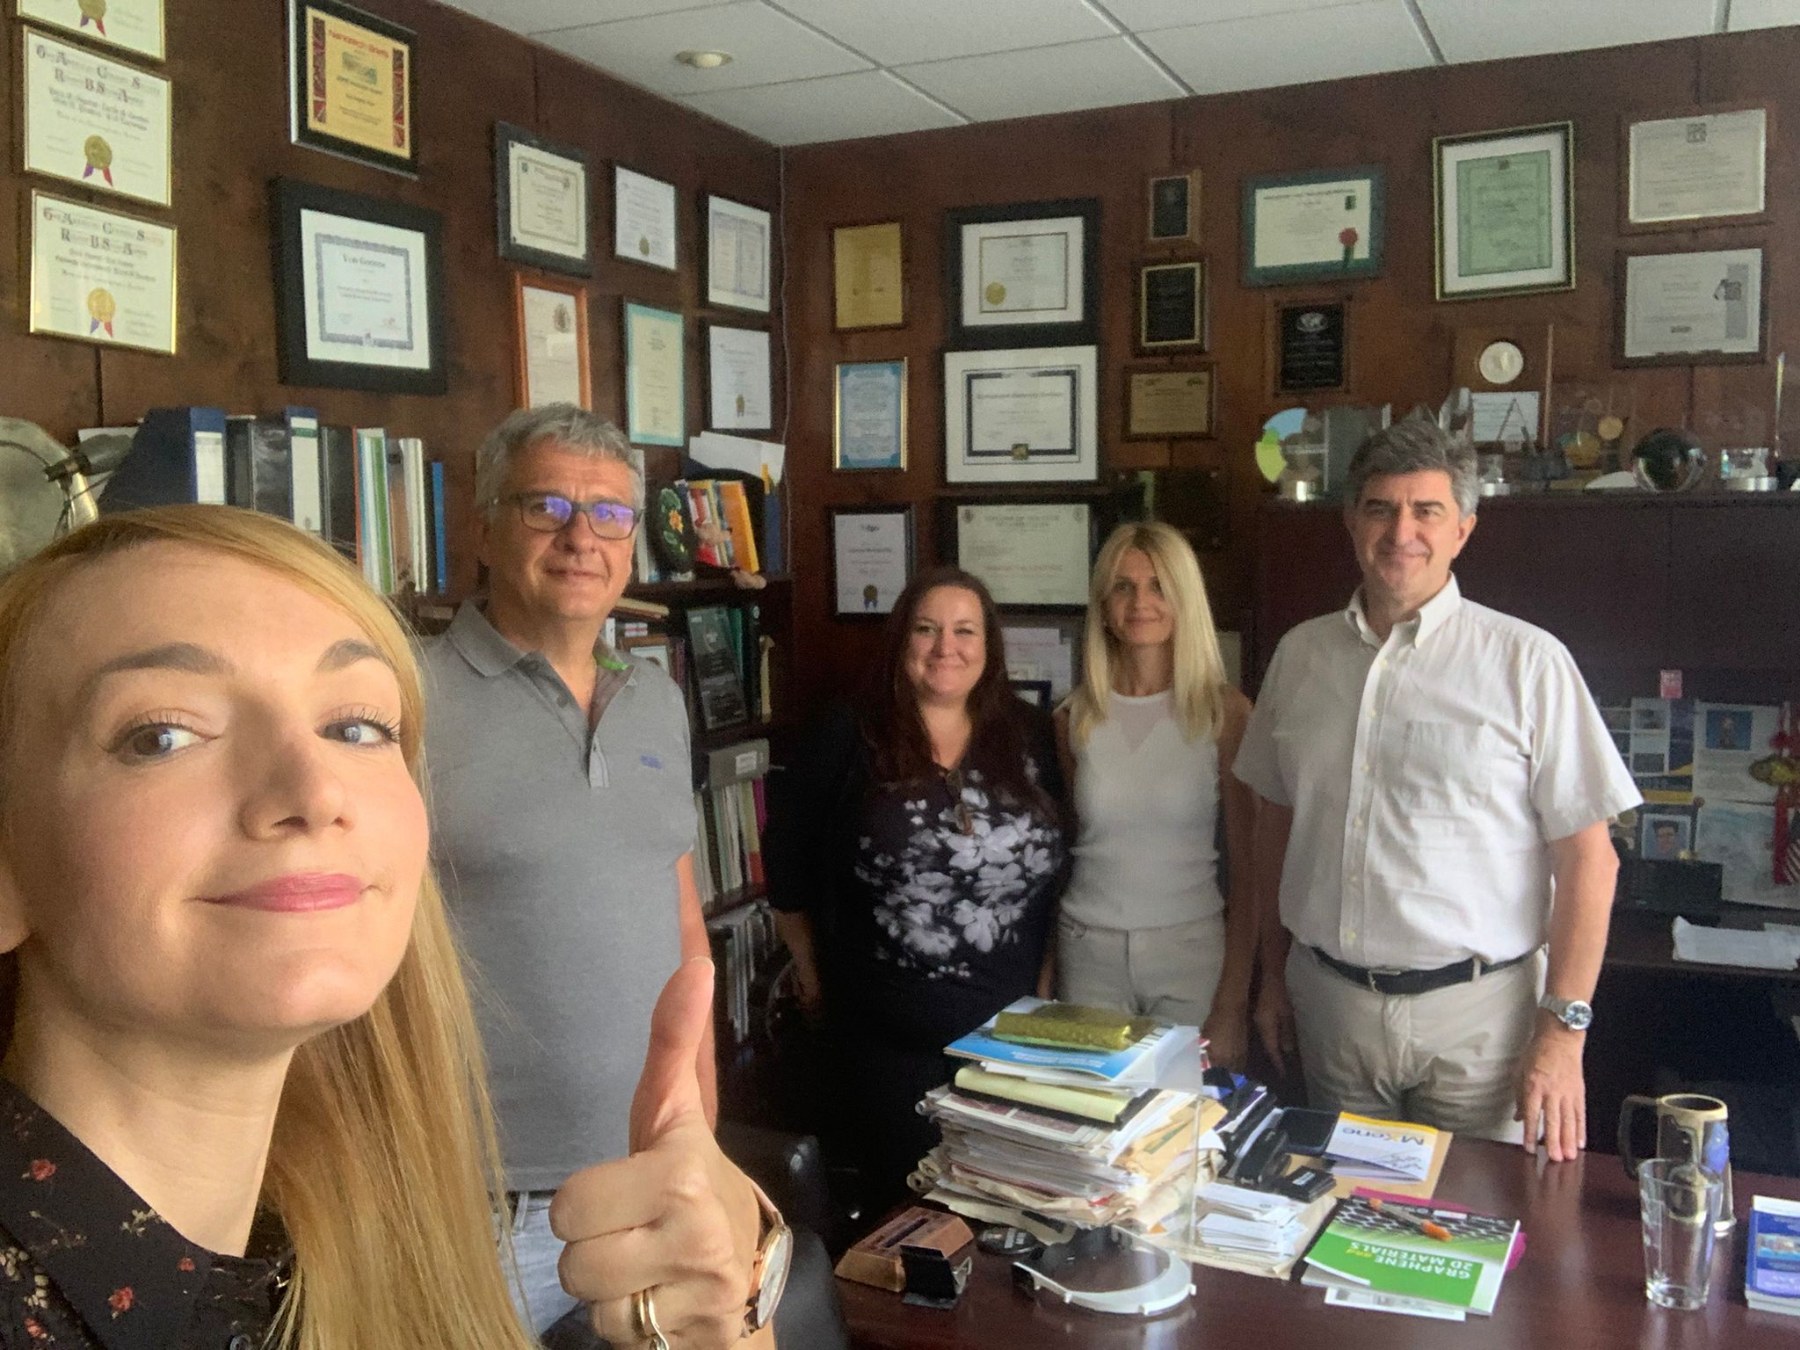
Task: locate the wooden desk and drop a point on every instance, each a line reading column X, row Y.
column 1580, row 1284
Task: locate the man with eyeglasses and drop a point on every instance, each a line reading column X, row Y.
column 562, row 813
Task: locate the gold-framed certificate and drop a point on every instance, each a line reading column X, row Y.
column 350, row 77
column 95, row 121
column 130, row 25
column 100, row 277
column 1164, row 402
column 868, row 276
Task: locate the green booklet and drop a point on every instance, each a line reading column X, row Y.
column 1389, row 1247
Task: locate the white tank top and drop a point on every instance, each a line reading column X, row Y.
column 1148, row 801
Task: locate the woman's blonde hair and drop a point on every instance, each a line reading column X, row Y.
column 1199, row 685
column 384, row 1162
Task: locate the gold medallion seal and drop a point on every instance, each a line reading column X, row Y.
column 97, row 153
column 92, row 9
column 995, row 293
column 101, row 306
column 1021, row 451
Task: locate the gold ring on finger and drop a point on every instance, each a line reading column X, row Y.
column 643, row 1309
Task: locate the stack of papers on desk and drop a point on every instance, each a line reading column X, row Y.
column 1232, row 1228
column 1776, row 947
column 1381, row 1150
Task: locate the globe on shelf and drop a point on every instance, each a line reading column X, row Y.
column 1668, row 460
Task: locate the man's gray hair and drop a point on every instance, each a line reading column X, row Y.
column 1416, row 444
column 571, row 428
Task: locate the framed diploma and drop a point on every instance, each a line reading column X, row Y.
column 359, row 291
column 129, row 25
column 871, row 559
column 868, row 415
column 552, row 319
column 1504, row 220
column 1168, row 402
column 1692, row 308
column 1701, row 165
column 95, row 121
column 540, row 201
column 868, row 267
column 1171, row 306
column 655, row 376
column 1174, row 208
column 350, row 84
column 1024, row 275
column 1026, row 416
column 1310, row 346
column 644, row 229
column 737, row 379
column 1322, row 225
column 101, row 277
column 737, row 255
column 1033, row 552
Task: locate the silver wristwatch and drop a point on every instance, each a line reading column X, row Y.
column 1574, row 1013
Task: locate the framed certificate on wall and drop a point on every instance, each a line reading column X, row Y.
column 129, row 25
column 1024, row 275
column 101, row 277
column 96, row 122
column 1026, row 416
column 540, row 201
column 1320, row 225
column 350, row 84
column 737, row 255
column 1034, row 552
column 1504, row 224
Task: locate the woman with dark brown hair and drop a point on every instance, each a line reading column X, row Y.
column 915, row 862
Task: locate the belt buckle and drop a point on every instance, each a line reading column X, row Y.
column 1374, row 975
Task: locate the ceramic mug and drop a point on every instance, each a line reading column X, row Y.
column 1690, row 1128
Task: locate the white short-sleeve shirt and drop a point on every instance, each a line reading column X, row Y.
column 1427, row 775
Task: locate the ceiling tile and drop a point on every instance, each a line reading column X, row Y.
column 1045, row 79
column 1294, row 48
column 765, row 47
column 896, row 34
column 535, row 16
column 1748, row 14
column 1141, row 16
column 836, row 108
column 1481, row 30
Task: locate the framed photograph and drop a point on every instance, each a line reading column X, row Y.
column 359, row 291
column 1664, row 835
column 1309, row 350
column 541, row 201
column 737, row 255
column 868, row 415
column 644, row 219
column 94, row 121
column 1034, row 552
column 1692, row 308
column 1168, row 402
column 1173, row 209
column 1321, row 225
column 350, row 84
column 1171, row 306
column 1026, row 416
column 1700, row 164
column 868, row 269
column 1505, row 218
column 101, row 277
column 553, row 364
column 1034, row 692
column 738, row 390
column 655, row 376
column 129, row 25
column 1023, row 276
column 871, row 559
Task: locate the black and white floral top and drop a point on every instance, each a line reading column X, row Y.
column 84, row 1262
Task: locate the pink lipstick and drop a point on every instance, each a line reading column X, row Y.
column 298, row 893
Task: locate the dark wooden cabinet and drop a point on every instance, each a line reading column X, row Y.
column 1708, row 585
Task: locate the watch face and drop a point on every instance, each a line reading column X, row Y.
column 1578, row 1016
column 779, row 1257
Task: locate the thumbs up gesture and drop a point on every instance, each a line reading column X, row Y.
column 676, row 1218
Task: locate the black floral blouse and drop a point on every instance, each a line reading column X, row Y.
column 84, row 1262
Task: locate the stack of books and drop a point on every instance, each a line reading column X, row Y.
column 1052, row 1139
column 1396, row 1254
column 1772, row 1256
column 1392, row 1152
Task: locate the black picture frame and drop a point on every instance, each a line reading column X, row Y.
column 300, row 134
column 1172, row 208
column 1171, row 306
column 1074, row 333
column 1035, row 692
column 507, row 137
column 901, row 511
column 1311, row 346
column 289, row 199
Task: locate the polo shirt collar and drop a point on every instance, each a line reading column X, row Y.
column 491, row 654
column 1432, row 615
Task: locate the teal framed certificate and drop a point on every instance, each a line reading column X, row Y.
column 868, row 415
column 1505, row 211
column 655, row 376
column 1321, row 225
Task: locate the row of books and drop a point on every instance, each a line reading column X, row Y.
column 719, row 656
column 701, row 522
column 733, row 811
column 374, row 497
column 746, row 955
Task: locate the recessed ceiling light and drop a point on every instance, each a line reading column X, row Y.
column 703, row 60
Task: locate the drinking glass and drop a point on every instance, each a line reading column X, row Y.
column 1680, row 1204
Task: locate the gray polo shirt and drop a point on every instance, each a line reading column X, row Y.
column 556, row 847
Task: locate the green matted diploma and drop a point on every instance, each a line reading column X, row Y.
column 1504, row 219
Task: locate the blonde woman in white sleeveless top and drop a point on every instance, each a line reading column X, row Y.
column 1154, row 920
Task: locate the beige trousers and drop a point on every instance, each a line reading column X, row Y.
column 1449, row 1058
column 1167, row 973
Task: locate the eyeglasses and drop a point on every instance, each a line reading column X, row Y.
column 548, row 512
column 953, row 780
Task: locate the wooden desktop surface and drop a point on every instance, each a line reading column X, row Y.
column 1579, row 1284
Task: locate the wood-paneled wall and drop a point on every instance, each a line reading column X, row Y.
column 1401, row 338
column 228, row 64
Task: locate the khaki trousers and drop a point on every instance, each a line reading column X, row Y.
column 1449, row 1058
column 1167, row 973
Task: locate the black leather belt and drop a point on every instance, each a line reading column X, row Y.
column 1409, row 983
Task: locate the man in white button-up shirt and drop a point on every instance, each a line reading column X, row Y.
column 1436, row 787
